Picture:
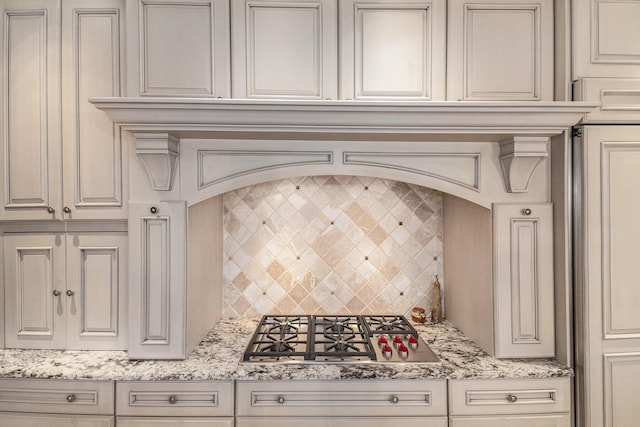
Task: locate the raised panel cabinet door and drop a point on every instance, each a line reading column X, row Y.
column 94, row 159
column 34, row 281
column 174, row 422
column 341, row 421
column 17, row 419
column 30, row 118
column 500, row 50
column 97, row 291
column 178, row 48
column 606, row 38
column 607, row 271
column 157, row 280
column 285, row 49
column 550, row 420
column 523, row 280
column 392, row 50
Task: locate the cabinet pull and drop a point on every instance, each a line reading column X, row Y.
column 526, row 211
column 512, row 398
column 173, row 399
column 280, row 400
column 50, row 210
column 71, row 398
column 56, row 293
column 153, row 210
column 66, row 209
column 394, row 399
column 69, row 292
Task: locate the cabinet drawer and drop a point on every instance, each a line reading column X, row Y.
column 477, row 397
column 341, row 398
column 552, row 420
column 171, row 398
column 56, row 396
column 172, row 422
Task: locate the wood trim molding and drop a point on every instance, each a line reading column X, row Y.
column 519, row 158
column 159, row 154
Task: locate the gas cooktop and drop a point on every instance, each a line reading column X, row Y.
column 337, row 339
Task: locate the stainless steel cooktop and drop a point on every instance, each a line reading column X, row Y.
column 337, row 339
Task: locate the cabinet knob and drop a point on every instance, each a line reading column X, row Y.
column 280, row 399
column 394, row 399
column 50, row 210
column 69, row 292
column 512, row 398
column 526, row 211
column 66, row 209
column 56, row 293
column 71, row 398
column 153, row 210
column 173, row 399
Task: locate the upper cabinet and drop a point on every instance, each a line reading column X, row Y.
column 500, row 50
column 285, row 49
column 61, row 157
column 178, row 48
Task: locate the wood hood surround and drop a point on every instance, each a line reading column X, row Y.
column 480, row 154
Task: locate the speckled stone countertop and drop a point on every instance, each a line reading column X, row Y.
column 219, row 355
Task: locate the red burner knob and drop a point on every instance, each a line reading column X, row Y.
column 386, row 350
column 382, row 340
column 397, row 340
column 413, row 342
column 403, row 350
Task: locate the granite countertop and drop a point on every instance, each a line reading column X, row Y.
column 219, row 355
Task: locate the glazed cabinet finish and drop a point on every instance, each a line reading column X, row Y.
column 608, row 231
column 65, row 291
column 61, row 158
column 341, row 422
column 178, row 48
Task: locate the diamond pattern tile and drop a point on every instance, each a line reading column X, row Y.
column 331, row 245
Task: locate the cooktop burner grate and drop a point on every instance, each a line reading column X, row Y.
column 388, row 324
column 340, row 337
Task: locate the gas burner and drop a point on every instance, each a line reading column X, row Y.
column 279, row 346
column 388, row 324
column 341, row 338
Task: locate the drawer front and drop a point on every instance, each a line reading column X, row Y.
column 15, row 419
column 56, row 396
column 341, row 398
column 341, row 422
column 175, row 399
column 554, row 420
column 173, row 422
column 478, row 397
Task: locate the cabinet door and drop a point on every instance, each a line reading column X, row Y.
column 157, row 280
column 94, row 157
column 341, row 421
column 17, row 419
column 284, row 49
column 97, row 293
column 35, row 300
column 174, row 422
column 30, row 119
column 607, row 271
column 178, row 48
column 392, row 50
column 550, row 420
column 500, row 50
column 523, row 280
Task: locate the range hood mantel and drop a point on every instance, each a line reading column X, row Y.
column 202, row 118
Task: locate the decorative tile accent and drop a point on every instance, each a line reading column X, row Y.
column 331, row 245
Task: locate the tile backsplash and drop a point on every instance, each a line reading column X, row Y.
column 331, row 245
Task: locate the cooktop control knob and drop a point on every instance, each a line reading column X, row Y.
column 403, row 350
column 413, row 342
column 386, row 350
column 382, row 340
column 397, row 340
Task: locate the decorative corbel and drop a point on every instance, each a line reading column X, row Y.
column 159, row 153
column 519, row 157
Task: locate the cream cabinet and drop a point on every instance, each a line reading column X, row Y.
column 392, row 50
column 607, row 169
column 175, row 403
column 285, row 49
column 65, row 291
column 513, row 403
column 500, row 50
column 56, row 403
column 61, row 158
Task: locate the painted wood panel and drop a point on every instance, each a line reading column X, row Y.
column 174, row 422
column 284, row 49
column 16, row 419
column 93, row 152
column 392, row 50
column 621, row 388
column 500, row 51
column 30, row 97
